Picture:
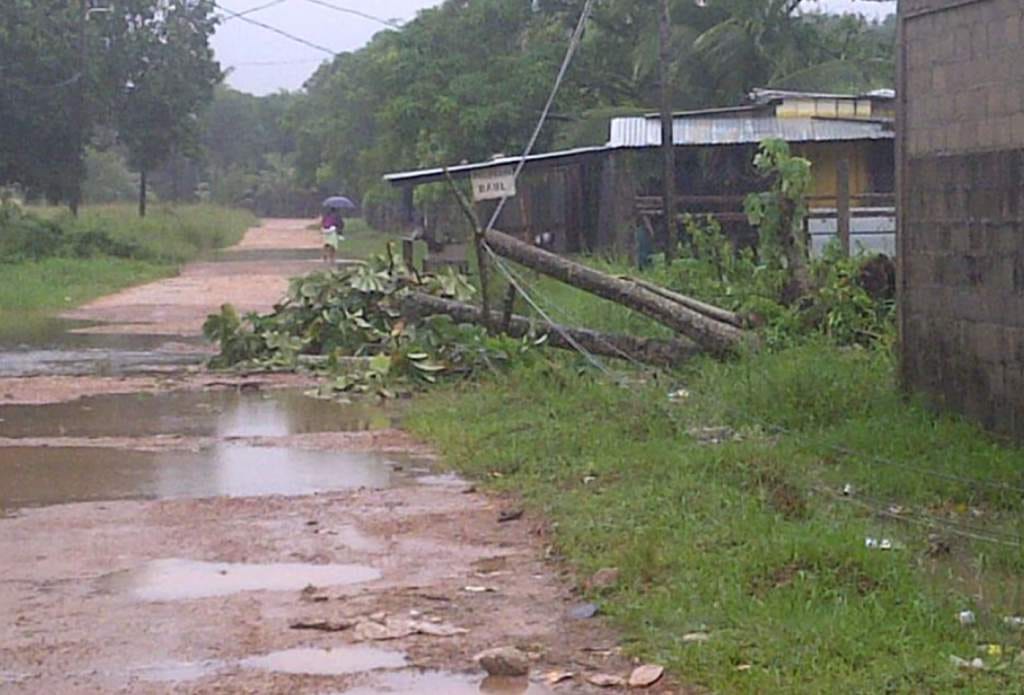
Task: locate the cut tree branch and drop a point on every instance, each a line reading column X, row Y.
column 654, row 351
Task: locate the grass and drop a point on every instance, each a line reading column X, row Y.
column 149, row 248
column 60, row 283
column 750, row 540
column 363, row 241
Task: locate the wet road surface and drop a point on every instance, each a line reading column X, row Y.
column 178, row 540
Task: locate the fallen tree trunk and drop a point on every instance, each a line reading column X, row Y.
column 647, row 350
column 709, row 310
column 714, row 336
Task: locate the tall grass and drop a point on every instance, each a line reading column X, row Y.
column 748, row 538
column 51, row 260
column 168, row 234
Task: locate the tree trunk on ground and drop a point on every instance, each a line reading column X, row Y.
column 712, row 335
column 142, row 193
column 647, row 350
column 709, row 310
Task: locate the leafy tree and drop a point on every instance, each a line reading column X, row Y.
column 171, row 75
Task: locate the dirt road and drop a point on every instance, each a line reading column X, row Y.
column 189, row 532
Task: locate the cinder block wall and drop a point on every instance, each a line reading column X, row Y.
column 962, row 206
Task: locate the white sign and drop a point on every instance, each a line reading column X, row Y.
column 491, row 184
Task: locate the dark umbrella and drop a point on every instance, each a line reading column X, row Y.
column 339, row 202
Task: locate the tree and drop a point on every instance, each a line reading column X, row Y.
column 170, row 76
column 40, row 119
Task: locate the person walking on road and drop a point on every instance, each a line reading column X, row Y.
column 333, row 225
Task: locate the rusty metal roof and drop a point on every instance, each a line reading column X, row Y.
column 711, row 130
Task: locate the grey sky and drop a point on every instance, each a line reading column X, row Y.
column 264, row 62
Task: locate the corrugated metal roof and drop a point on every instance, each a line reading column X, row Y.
column 424, row 175
column 706, row 130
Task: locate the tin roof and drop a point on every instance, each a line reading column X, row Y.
column 461, row 170
column 710, row 130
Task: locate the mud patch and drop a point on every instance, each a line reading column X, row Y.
column 184, row 580
column 177, row 672
column 435, row 683
column 327, row 662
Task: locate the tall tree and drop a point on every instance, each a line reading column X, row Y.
column 171, row 74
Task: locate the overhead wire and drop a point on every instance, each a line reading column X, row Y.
column 281, row 32
column 252, row 10
column 358, row 13
column 570, row 54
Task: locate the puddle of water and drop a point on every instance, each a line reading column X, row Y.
column 50, row 346
column 184, row 580
column 327, row 662
column 177, row 672
column 54, row 475
column 433, row 683
column 222, row 413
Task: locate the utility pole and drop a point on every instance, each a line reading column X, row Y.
column 76, row 193
column 670, row 238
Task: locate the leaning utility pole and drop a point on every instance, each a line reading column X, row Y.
column 669, row 236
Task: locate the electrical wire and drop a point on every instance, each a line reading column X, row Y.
column 574, row 44
column 500, row 264
column 252, row 10
column 570, row 54
column 358, row 13
column 297, row 39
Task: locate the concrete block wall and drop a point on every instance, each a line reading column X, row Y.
column 962, row 206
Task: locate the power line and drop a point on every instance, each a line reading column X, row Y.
column 252, row 10
column 298, row 39
column 358, row 13
column 574, row 43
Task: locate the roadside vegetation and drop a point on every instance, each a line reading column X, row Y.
column 785, row 520
column 50, row 260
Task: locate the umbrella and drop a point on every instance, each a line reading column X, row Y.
column 339, row 202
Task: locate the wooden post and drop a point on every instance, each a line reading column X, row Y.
column 843, row 204
column 668, row 152
column 409, row 254
column 480, row 246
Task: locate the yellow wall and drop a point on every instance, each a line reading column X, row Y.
column 824, row 157
column 812, row 107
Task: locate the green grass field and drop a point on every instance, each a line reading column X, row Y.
column 750, row 540
column 166, row 238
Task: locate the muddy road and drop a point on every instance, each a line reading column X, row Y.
column 168, row 530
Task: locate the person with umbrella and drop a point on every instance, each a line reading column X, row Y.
column 333, row 224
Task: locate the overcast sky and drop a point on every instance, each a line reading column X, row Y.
column 262, row 61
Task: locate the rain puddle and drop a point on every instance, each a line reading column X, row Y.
column 54, row 475
column 184, row 580
column 327, row 662
column 52, row 347
column 215, row 413
column 432, row 683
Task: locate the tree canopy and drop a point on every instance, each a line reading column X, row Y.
column 143, row 66
column 467, row 79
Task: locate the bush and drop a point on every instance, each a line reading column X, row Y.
column 26, row 237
